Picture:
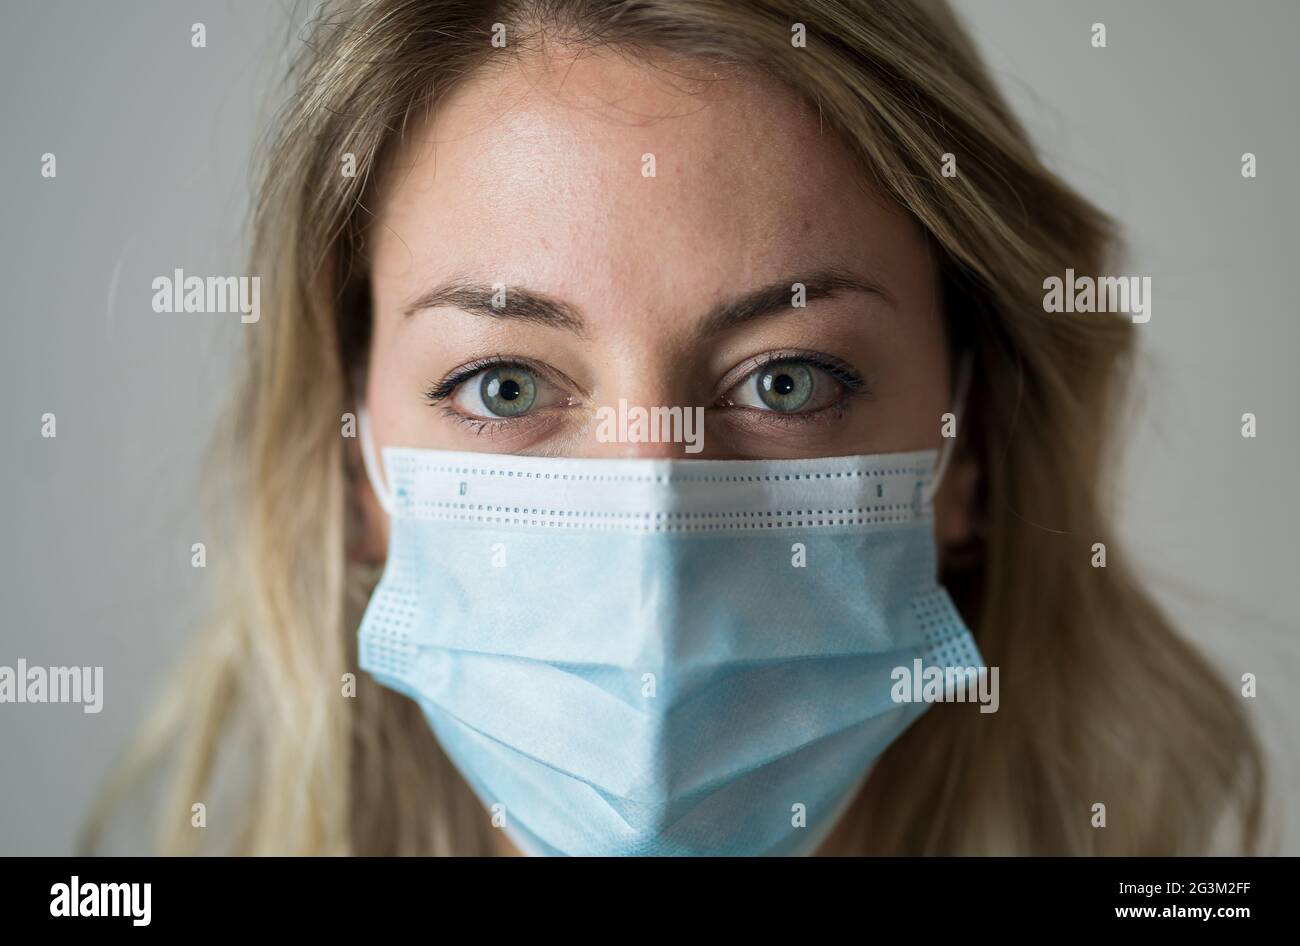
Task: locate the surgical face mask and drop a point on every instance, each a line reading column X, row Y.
column 660, row 657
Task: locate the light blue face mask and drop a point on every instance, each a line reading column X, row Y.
column 660, row 657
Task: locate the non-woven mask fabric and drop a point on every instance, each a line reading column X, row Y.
column 660, row 657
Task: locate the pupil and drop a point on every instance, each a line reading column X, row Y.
column 783, row 384
column 509, row 390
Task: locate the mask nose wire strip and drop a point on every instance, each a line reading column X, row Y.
column 372, row 464
column 958, row 408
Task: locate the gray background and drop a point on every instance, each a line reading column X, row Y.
column 153, row 140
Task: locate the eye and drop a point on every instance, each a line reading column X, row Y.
column 501, row 391
column 496, row 391
column 790, row 386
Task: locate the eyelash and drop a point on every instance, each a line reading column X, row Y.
column 439, row 391
column 853, row 382
column 854, row 385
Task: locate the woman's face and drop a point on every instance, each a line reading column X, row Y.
column 664, row 285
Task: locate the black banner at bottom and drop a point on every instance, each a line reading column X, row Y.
column 367, row 895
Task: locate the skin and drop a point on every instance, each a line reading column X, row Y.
column 531, row 175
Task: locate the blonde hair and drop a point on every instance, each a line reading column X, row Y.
column 1102, row 702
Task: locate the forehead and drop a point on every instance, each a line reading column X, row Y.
column 597, row 177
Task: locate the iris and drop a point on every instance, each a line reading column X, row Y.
column 508, row 391
column 785, row 385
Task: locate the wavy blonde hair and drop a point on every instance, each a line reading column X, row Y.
column 1103, row 701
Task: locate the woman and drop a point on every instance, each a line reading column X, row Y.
column 482, row 224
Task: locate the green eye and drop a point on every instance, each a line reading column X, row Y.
column 507, row 391
column 785, row 386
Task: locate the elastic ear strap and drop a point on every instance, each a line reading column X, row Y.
column 964, row 368
column 371, row 462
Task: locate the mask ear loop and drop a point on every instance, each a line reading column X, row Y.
column 960, row 390
column 372, row 464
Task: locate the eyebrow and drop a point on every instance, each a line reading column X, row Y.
column 777, row 296
column 520, row 304
column 525, row 305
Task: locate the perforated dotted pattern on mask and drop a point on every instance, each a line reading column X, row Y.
column 410, row 464
column 387, row 642
column 948, row 642
column 883, row 514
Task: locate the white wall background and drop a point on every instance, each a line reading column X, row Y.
column 153, row 140
column 1152, row 128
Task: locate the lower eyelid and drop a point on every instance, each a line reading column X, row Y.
column 484, row 424
column 831, row 412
